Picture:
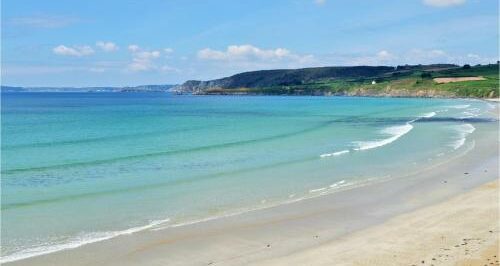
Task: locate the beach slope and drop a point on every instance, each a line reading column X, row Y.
column 460, row 231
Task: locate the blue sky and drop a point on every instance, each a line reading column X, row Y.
column 132, row 42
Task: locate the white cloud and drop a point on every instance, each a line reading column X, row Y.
column 142, row 60
column 248, row 52
column 73, row 51
column 168, row 50
column 107, row 46
column 241, row 58
column 443, row 3
column 133, row 48
column 384, row 55
column 320, row 2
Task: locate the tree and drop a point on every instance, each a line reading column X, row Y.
column 466, row 66
column 426, row 75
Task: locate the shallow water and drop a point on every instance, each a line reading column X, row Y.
column 83, row 167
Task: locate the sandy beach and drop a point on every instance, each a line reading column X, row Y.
column 459, row 231
column 250, row 133
column 443, row 215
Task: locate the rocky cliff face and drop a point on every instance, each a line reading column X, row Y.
column 199, row 87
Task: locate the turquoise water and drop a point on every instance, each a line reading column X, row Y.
column 83, row 167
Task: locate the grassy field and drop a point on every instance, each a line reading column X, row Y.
column 412, row 82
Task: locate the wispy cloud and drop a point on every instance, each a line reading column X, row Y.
column 443, row 3
column 77, row 51
column 143, row 60
column 42, row 21
column 107, row 46
column 319, row 2
column 412, row 56
column 133, row 48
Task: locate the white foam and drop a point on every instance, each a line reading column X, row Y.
column 317, row 190
column 77, row 242
column 332, row 187
column 338, row 184
column 463, row 131
column 461, row 106
column 334, row 153
column 395, row 132
column 468, row 115
column 428, row 115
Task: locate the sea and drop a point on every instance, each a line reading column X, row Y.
column 78, row 168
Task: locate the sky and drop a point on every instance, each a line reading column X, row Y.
column 134, row 42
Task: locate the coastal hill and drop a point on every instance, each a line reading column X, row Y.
column 436, row 80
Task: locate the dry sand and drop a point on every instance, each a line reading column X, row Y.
column 460, row 231
column 448, row 80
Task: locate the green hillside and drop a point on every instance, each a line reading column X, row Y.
column 412, row 81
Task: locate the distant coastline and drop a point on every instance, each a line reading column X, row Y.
column 140, row 88
column 480, row 81
column 421, row 81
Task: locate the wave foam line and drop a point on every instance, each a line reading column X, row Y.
column 77, row 242
column 395, row 133
column 461, row 106
column 338, row 184
column 334, row 153
column 463, row 131
column 428, row 115
column 155, row 224
column 318, row 190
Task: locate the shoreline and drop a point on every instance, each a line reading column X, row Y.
column 276, row 231
column 450, row 97
column 488, row 99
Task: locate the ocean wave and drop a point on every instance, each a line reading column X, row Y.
column 460, row 106
column 466, row 114
column 318, row 190
column 77, row 242
column 164, row 224
column 166, row 152
column 395, row 132
column 428, row 115
column 334, row 153
column 463, row 131
column 336, row 185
